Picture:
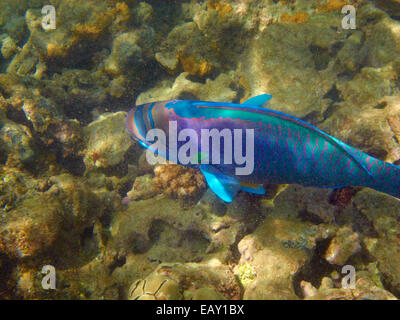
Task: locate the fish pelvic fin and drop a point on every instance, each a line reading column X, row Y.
column 226, row 187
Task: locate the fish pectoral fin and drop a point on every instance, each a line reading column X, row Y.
column 222, row 185
column 226, row 187
column 260, row 100
column 252, row 188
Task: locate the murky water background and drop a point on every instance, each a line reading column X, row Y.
column 76, row 192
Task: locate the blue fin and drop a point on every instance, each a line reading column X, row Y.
column 253, row 188
column 259, row 100
column 143, row 144
column 223, row 186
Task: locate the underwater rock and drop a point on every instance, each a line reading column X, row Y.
column 275, row 252
column 229, row 222
column 41, row 113
column 107, row 141
column 385, row 250
column 371, row 130
column 8, row 46
column 75, row 88
column 368, row 87
column 15, row 139
column 186, row 46
column 182, row 88
column 68, row 135
column 365, row 289
column 382, row 45
column 155, row 287
column 119, row 87
column 226, row 25
column 307, row 203
column 23, row 103
column 288, row 59
column 72, row 212
column 207, row 294
column 143, row 188
column 162, row 229
column 26, row 60
column 10, row 17
column 282, row 246
column 21, row 96
column 143, row 13
column 17, row 185
column 170, row 230
column 350, row 55
column 209, row 42
column 143, row 222
column 130, row 50
column 40, row 120
column 381, row 211
column 32, row 228
column 197, row 281
column 79, row 26
column 342, row 246
column 391, row 6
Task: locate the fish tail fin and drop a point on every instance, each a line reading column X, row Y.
column 376, row 174
column 386, row 178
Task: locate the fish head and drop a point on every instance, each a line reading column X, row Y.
column 145, row 117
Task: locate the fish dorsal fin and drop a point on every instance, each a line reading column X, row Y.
column 222, row 185
column 259, row 100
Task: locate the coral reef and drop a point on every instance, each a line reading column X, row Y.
column 342, row 246
column 16, row 140
column 365, row 290
column 107, row 141
column 275, row 252
column 155, row 287
column 216, row 90
column 77, row 193
column 190, row 281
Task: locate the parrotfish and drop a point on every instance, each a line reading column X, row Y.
column 286, row 149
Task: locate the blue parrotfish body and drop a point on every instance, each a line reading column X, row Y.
column 285, row 149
